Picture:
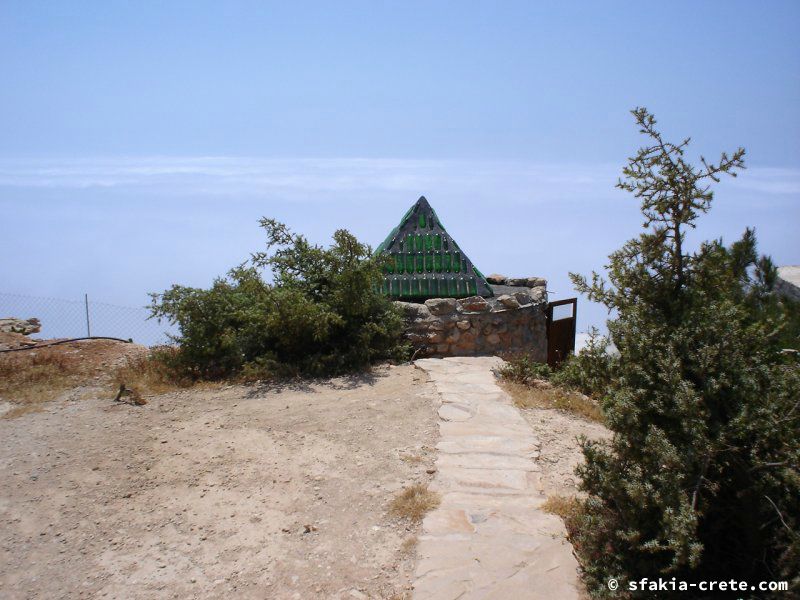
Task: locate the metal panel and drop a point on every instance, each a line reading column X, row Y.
column 561, row 332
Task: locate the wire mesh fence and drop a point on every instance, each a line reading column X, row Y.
column 63, row 318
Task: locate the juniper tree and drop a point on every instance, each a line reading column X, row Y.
column 701, row 477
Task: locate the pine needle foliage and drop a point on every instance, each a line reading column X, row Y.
column 701, row 478
column 321, row 315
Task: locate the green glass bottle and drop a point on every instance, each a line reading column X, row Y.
column 425, row 287
column 406, row 287
column 409, row 263
column 437, row 263
column 447, row 262
column 420, row 262
column 395, row 287
column 398, row 263
column 428, row 243
column 422, row 222
column 437, row 242
column 420, row 243
column 473, row 287
column 452, row 288
column 457, row 262
column 434, row 288
column 429, row 263
column 410, row 243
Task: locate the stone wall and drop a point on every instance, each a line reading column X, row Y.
column 514, row 320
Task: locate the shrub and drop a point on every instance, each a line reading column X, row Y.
column 521, row 368
column 701, row 479
column 591, row 370
column 323, row 313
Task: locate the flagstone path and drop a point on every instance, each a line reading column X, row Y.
column 488, row 538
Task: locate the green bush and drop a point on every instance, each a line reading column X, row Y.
column 322, row 314
column 521, row 368
column 701, row 479
column 591, row 370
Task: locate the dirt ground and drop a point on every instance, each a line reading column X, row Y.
column 560, row 453
column 242, row 491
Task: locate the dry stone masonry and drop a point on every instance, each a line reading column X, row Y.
column 451, row 308
column 513, row 320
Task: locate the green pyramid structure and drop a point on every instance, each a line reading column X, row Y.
column 426, row 262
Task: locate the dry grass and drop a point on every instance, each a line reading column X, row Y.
column 30, row 378
column 414, row 502
column 409, row 545
column 566, row 507
column 412, row 459
column 148, row 374
column 545, row 395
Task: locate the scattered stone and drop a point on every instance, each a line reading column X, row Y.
column 533, row 282
column 517, row 281
column 474, row 304
column 22, row 326
column 441, row 306
column 526, row 281
column 463, row 325
column 412, row 310
column 523, row 298
column 539, row 294
column 508, row 301
column 496, row 279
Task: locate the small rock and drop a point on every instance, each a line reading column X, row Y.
column 474, row 304
column 441, row 306
column 496, row 279
column 463, row 325
column 21, row 326
column 533, row 282
column 523, row 298
column 539, row 294
column 508, row 301
column 526, row 281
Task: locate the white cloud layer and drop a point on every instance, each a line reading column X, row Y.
column 238, row 175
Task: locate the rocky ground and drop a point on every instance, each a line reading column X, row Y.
column 245, row 490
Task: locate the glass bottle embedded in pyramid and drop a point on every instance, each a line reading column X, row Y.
column 425, row 262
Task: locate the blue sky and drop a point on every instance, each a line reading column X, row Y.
column 140, row 142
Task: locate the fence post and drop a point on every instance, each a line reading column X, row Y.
column 88, row 329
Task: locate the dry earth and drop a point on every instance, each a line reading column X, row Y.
column 560, row 452
column 241, row 491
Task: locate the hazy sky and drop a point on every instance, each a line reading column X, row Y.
column 141, row 141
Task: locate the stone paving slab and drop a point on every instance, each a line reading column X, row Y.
column 488, row 539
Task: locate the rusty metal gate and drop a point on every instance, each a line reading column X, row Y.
column 561, row 331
